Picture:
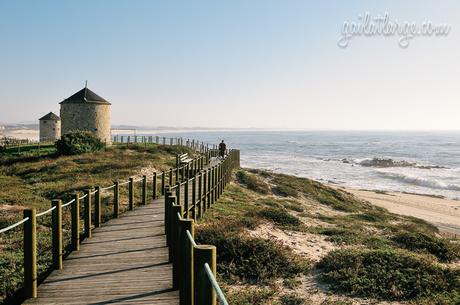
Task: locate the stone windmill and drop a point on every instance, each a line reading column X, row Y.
column 86, row 111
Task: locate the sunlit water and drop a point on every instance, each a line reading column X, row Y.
column 421, row 162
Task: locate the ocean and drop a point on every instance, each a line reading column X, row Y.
column 414, row 162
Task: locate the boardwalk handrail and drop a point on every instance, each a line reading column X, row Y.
column 194, row 265
column 14, row 225
column 215, row 284
column 182, row 173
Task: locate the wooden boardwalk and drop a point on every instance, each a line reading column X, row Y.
column 125, row 262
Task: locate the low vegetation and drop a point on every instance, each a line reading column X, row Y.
column 79, row 142
column 265, row 226
column 280, row 217
column 415, row 241
column 387, row 274
column 373, row 254
column 254, row 296
column 252, row 182
column 32, row 179
column 249, row 259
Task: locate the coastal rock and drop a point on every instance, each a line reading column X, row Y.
column 387, row 162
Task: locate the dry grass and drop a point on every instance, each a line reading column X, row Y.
column 33, row 180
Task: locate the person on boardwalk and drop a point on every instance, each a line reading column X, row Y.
column 222, row 149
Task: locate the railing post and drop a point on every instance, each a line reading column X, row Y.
column 186, row 205
column 97, row 207
column 186, row 270
column 221, row 168
column 204, row 292
column 131, row 193
column 219, row 181
column 213, row 184
column 194, row 198
column 171, row 176
column 144, row 189
column 178, row 193
column 176, row 211
column 57, row 234
column 88, row 213
column 169, row 237
column 177, row 173
column 116, row 199
column 76, row 223
column 154, row 193
column 209, row 187
column 166, row 214
column 30, row 254
column 200, row 194
column 216, row 180
column 205, row 178
column 162, row 182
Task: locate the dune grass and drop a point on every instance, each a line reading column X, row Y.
column 388, row 274
column 381, row 255
column 32, row 180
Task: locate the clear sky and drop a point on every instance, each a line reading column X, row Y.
column 247, row 63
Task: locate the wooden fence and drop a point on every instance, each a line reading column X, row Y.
column 194, row 266
column 162, row 183
column 14, row 145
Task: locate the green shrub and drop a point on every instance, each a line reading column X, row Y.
column 431, row 244
column 285, row 190
column 291, row 283
column 255, row 296
column 295, row 186
column 252, row 182
column 77, row 143
column 417, row 225
column 370, row 216
column 386, row 274
column 341, row 235
column 280, row 217
column 248, row 259
column 291, row 299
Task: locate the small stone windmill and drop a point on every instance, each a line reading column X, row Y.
column 50, row 127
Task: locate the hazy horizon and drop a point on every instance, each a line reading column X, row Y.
column 257, row 64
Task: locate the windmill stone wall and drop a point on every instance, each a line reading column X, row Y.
column 86, row 111
column 50, row 127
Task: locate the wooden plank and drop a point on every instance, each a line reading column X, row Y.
column 125, row 262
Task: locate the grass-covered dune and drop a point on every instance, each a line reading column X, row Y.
column 32, row 179
column 287, row 240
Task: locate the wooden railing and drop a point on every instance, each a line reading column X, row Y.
column 194, row 266
column 160, row 182
column 14, row 145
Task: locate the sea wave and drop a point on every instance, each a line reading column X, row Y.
column 419, row 181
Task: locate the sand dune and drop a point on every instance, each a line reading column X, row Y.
column 444, row 213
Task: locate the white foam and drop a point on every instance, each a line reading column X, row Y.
column 420, row 181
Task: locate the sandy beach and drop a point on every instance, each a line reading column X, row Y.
column 31, row 134
column 444, row 213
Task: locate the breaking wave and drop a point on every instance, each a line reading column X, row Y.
column 430, row 183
